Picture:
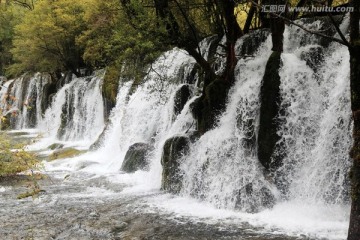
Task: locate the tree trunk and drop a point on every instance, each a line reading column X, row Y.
column 233, row 32
column 277, row 26
column 249, row 18
column 354, row 49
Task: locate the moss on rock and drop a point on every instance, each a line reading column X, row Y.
column 55, row 146
column 65, row 153
column 110, row 88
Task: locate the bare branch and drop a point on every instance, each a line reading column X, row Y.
column 305, row 29
column 338, row 29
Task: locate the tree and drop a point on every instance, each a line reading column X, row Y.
column 10, row 16
column 111, row 40
column 45, row 40
column 354, row 49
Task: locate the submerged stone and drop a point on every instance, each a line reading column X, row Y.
column 265, row 198
column 55, row 146
column 65, row 153
column 136, row 158
column 313, row 57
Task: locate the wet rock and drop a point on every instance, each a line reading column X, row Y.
column 135, row 158
column 181, row 97
column 119, row 227
column 48, row 91
column 252, row 41
column 174, row 149
column 192, row 76
column 109, row 89
column 94, row 215
column 99, row 141
column 67, row 114
column 206, row 108
column 270, row 100
column 313, row 57
column 65, row 153
column 65, row 79
column 55, row 146
column 265, row 199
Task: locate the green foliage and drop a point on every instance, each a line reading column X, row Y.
column 45, row 40
column 14, row 161
column 10, row 16
column 112, row 38
column 111, row 83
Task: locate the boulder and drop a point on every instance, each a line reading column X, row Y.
column 135, row 158
column 207, row 108
column 174, row 149
column 252, row 42
column 56, row 146
column 181, row 97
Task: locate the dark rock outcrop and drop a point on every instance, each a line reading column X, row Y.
column 64, row 79
column 314, row 57
column 109, row 89
column 252, row 41
column 174, row 149
column 100, row 140
column 206, row 108
column 181, row 97
column 55, row 146
column 48, row 92
column 265, row 198
column 135, row 158
column 270, row 100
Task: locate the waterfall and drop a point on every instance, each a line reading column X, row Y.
column 24, row 99
column 146, row 115
column 316, row 123
column 221, row 167
column 76, row 112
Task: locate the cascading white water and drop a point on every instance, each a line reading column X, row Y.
column 316, row 129
column 23, row 97
column 76, row 112
column 31, row 113
column 144, row 116
column 4, row 106
column 222, row 166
